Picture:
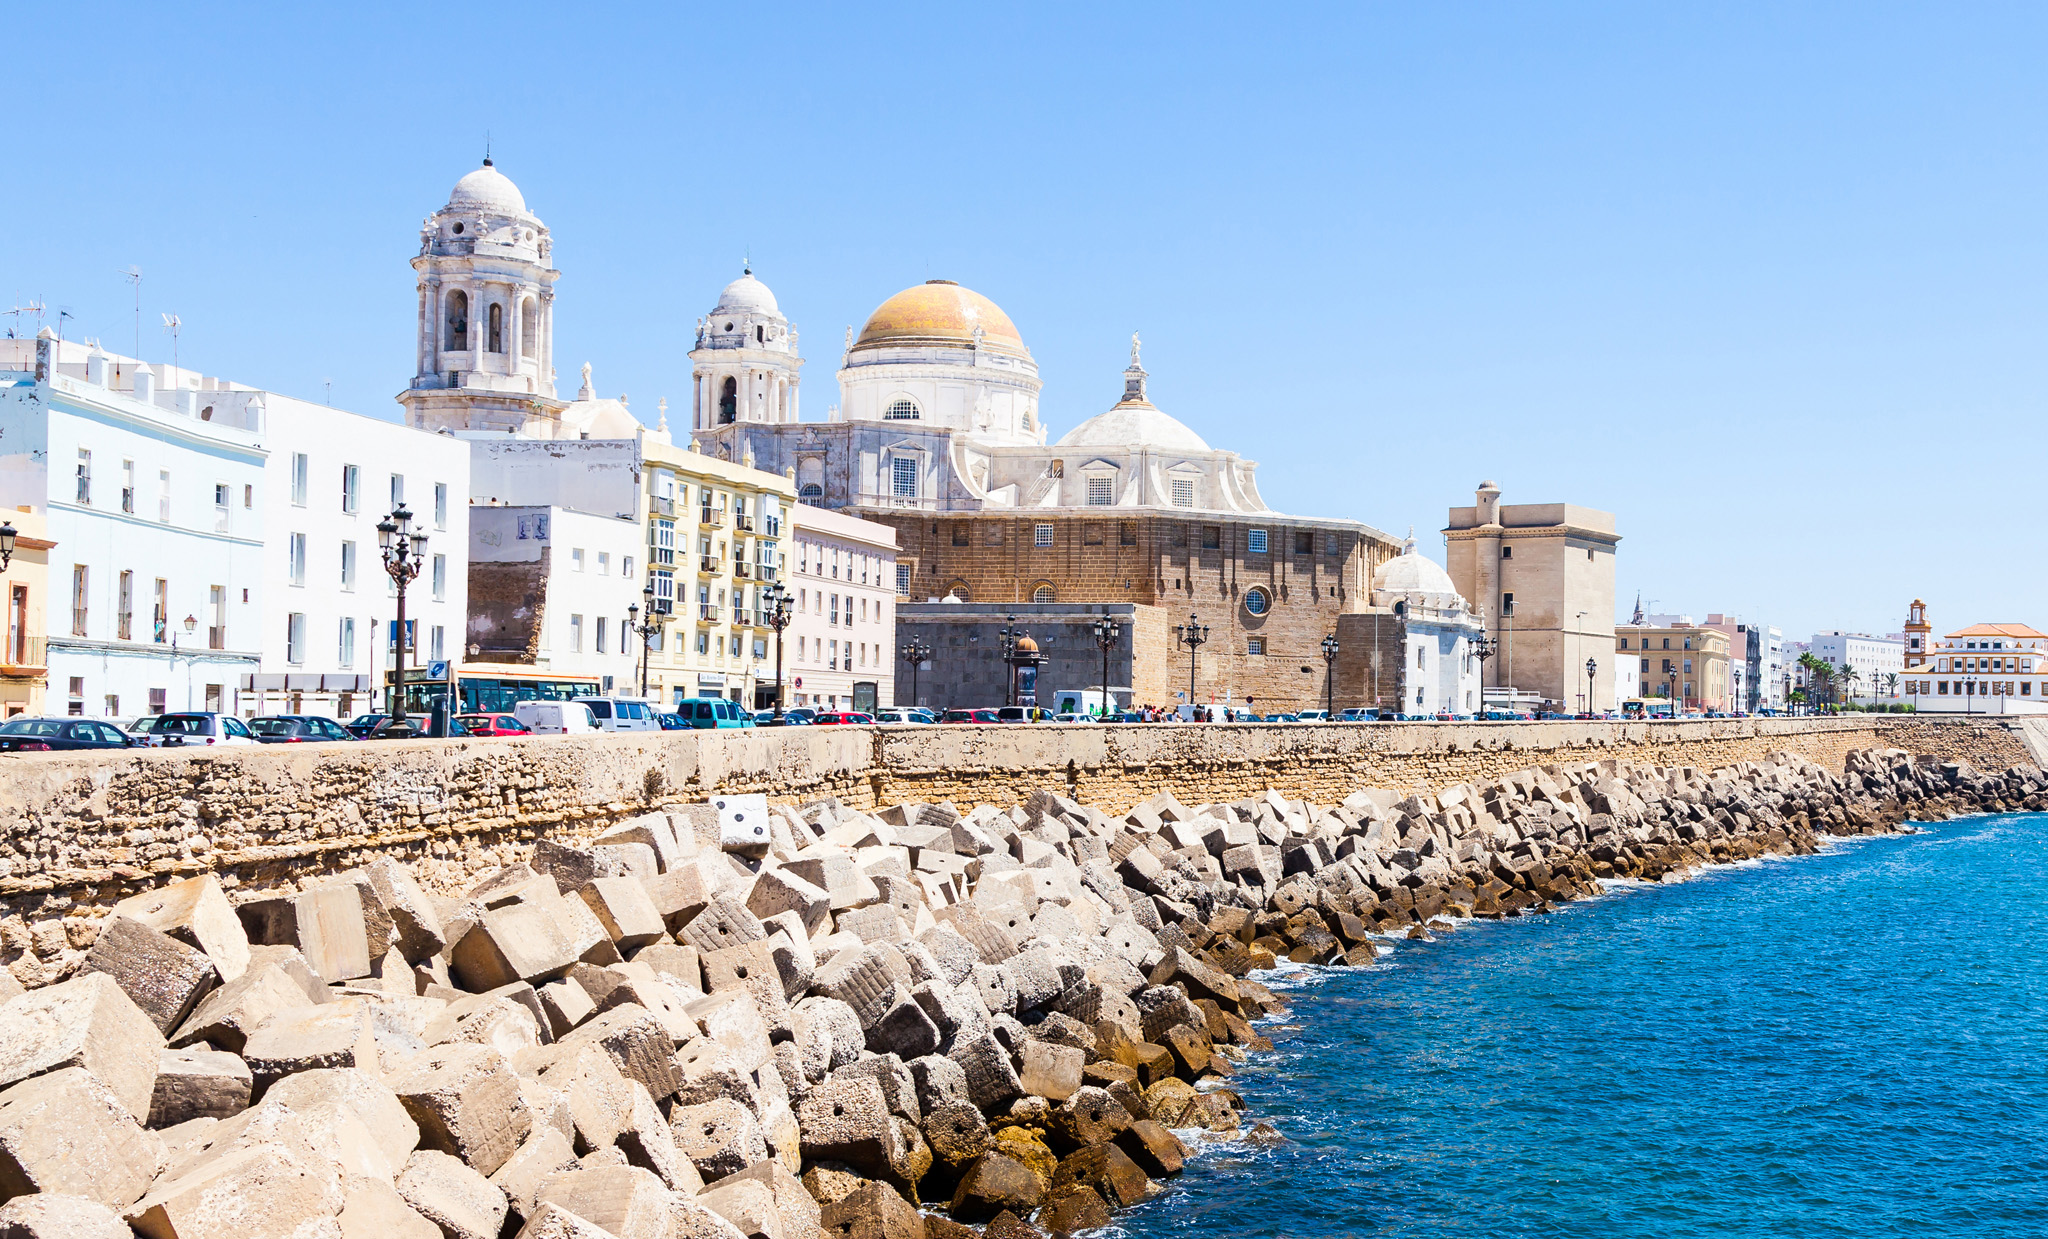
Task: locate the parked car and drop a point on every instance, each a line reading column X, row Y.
column 199, row 727
column 844, row 718
column 141, row 726
column 361, row 724
column 1359, row 714
column 713, row 713
column 1023, row 714
column 790, row 718
column 970, row 716
column 905, row 714
column 494, row 725
column 56, row 735
column 1312, row 716
column 671, row 721
column 621, row 714
column 555, row 718
column 297, row 729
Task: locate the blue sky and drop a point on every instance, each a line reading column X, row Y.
column 1765, row 281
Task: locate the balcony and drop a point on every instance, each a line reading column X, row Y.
column 708, row 565
column 766, row 572
column 743, row 522
column 23, row 658
column 713, row 517
column 660, row 506
column 741, row 568
column 707, row 613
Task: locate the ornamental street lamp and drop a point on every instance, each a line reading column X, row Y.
column 775, row 609
column 1329, row 676
column 915, row 652
column 1592, row 669
column 647, row 628
column 405, row 552
column 1107, row 632
column 7, row 536
column 1193, row 634
column 1483, row 648
column 1008, row 636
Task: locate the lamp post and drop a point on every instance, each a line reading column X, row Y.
column 1329, row 677
column 7, row 535
column 1193, row 634
column 1107, row 631
column 1483, row 648
column 645, row 628
column 191, row 623
column 775, row 609
column 1592, row 670
column 915, row 652
column 405, row 552
column 1008, row 635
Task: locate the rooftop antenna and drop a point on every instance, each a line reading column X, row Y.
column 33, row 307
column 487, row 148
column 172, row 324
column 134, row 276
column 330, row 392
column 62, row 314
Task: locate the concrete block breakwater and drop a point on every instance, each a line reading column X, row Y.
column 914, row 1021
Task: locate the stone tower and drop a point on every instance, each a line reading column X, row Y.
column 745, row 365
column 1917, row 631
column 484, row 346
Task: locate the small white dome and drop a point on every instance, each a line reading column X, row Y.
column 488, row 189
column 1413, row 575
column 1133, row 424
column 747, row 295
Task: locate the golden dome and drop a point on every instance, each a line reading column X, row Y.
column 940, row 312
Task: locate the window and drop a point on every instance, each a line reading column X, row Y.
column 456, row 337
column 298, row 559
column 76, row 690
column 529, row 344
column 991, row 535
column 295, row 638
column 1507, row 552
column 576, row 559
column 85, row 476
column 351, row 484
column 248, row 495
column 347, row 652
column 163, row 496
column 1255, row 541
column 78, row 583
column 575, row 634
column 1041, row 534
column 1043, row 593
column 1091, row 533
column 1183, row 492
column 440, row 505
column 160, row 617
column 298, row 479
column 496, row 318
column 1507, row 603
column 603, row 632
column 124, row 608
column 835, row 611
column 626, row 566
column 1256, row 601
column 348, row 567
column 221, row 497
column 903, row 409
column 810, row 490
column 903, row 476
column 960, row 537
column 704, row 638
column 903, row 580
column 1212, row 537
column 128, row 486
column 1101, row 490
column 440, row 578
column 1331, row 545
column 217, row 604
column 1304, row 542
column 397, row 491
column 604, row 563
column 1127, row 533
column 1255, row 646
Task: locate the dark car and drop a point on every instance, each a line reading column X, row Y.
column 297, row 729
column 671, row 721
column 362, row 724
column 48, row 735
column 493, row 725
column 414, row 727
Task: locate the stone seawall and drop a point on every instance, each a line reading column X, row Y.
column 78, row 832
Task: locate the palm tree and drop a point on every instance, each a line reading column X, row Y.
column 1848, row 676
column 1891, row 683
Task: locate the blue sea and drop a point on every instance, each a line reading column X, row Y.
column 1848, row 1044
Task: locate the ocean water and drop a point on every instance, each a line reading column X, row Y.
column 1850, row 1044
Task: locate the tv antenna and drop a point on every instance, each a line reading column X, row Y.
column 172, row 324
column 34, row 307
column 330, row 392
column 134, row 276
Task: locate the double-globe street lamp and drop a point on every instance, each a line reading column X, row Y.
column 1194, row 634
column 405, row 552
column 1329, row 677
column 657, row 611
column 775, row 610
column 916, row 653
column 1107, row 632
column 1592, row 669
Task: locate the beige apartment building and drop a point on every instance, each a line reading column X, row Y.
column 839, row 650
column 1541, row 578
column 1687, row 664
column 24, row 586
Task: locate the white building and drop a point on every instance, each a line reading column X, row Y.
column 151, row 493
column 1439, row 672
column 1871, row 658
column 557, row 585
column 1982, row 669
column 330, row 609
column 841, row 640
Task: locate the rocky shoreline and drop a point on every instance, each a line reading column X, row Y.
column 726, row 1020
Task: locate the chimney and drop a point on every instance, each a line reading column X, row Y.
column 145, row 384
column 46, row 355
column 96, row 366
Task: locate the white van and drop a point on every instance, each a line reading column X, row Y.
column 555, row 718
column 622, row 714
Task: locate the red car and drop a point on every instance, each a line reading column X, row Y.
column 493, row 725
column 970, row 716
column 847, row 717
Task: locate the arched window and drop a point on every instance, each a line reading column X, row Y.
column 958, row 589
column 903, row 410
column 1044, row 593
column 760, row 334
column 1257, row 601
column 529, row 329
column 810, row 490
column 456, row 338
column 497, row 328
column 729, row 401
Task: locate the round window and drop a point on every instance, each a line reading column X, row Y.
column 458, row 230
column 1256, row 601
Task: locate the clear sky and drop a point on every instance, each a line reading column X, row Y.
column 1763, row 280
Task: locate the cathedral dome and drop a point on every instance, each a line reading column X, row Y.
column 1134, row 424
column 940, row 312
column 487, row 189
column 747, row 295
column 1412, row 575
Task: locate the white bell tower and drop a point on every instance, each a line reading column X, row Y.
column 745, row 365
column 484, row 345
